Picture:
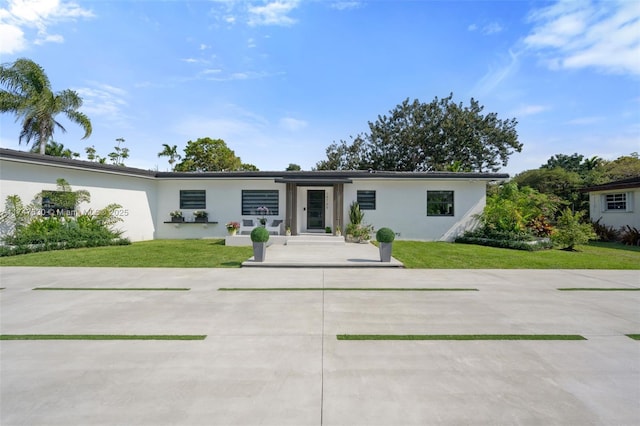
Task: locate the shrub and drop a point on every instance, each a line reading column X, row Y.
column 355, row 214
column 570, row 231
column 604, row 232
column 385, row 235
column 533, row 245
column 259, row 235
column 630, row 236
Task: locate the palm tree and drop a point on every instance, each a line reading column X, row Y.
column 171, row 152
column 56, row 149
column 28, row 95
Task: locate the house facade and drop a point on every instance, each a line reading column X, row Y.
column 616, row 204
column 431, row 206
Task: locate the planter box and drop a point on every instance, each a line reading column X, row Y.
column 385, row 251
column 201, row 219
column 259, row 250
column 177, row 219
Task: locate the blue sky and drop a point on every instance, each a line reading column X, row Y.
column 281, row 80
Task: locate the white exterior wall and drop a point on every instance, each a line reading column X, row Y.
column 223, row 203
column 401, row 205
column 136, row 194
column 616, row 218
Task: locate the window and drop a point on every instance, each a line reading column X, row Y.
column 439, row 203
column 193, row 199
column 615, row 202
column 260, row 202
column 367, row 200
column 58, row 203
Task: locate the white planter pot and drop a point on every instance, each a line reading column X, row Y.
column 385, row 251
column 259, row 251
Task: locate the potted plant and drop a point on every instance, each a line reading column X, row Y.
column 176, row 216
column 385, row 237
column 259, row 238
column 201, row 215
column 263, row 211
column 287, row 231
column 232, row 227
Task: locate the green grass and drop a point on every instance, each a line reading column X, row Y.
column 441, row 255
column 102, row 337
column 414, row 254
column 152, row 254
column 633, row 336
column 597, row 289
column 460, row 337
column 111, row 289
column 342, row 289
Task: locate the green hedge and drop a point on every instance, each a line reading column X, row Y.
column 534, row 245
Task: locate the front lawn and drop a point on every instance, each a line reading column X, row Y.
column 151, row 254
column 440, row 255
column 414, row 254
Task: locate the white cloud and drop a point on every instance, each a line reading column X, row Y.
column 104, row 101
column 605, row 35
column 346, row 5
column 487, row 29
column 20, row 16
column 526, row 110
column 292, row 124
column 274, row 13
column 494, row 77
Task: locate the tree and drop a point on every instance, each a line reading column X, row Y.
column 56, row 149
column 557, row 181
column 119, row 154
column 570, row 163
column 28, row 95
column 93, row 156
column 440, row 135
column 293, row 168
column 623, row 167
column 209, row 155
column 171, row 152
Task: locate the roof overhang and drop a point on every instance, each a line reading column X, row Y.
column 313, row 181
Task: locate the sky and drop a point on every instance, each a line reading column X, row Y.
column 279, row 81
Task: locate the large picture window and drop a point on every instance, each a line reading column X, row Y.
column 193, row 199
column 367, row 200
column 260, row 202
column 615, row 202
column 439, row 203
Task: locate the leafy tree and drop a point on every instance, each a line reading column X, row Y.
column 171, row 152
column 293, row 168
column 56, row 149
column 119, row 153
column 570, row 232
column 557, row 181
column 440, row 135
column 570, row 163
column 206, row 154
column 623, row 167
column 28, row 95
column 93, row 156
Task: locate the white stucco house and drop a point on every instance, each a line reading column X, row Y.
column 416, row 205
column 616, row 204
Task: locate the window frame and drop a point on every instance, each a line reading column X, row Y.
column 623, row 202
column 193, row 204
column 270, row 199
column 366, row 205
column 445, row 203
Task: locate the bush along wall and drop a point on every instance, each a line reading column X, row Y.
column 24, row 233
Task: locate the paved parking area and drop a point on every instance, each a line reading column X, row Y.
column 272, row 357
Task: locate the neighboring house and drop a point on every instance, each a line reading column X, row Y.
column 616, row 204
column 416, row 205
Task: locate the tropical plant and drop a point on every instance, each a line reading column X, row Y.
column 27, row 93
column 385, row 235
column 176, row 213
column 119, row 153
column 200, row 213
column 630, row 236
column 570, row 232
column 56, row 149
column 604, row 232
column 171, row 152
column 356, row 216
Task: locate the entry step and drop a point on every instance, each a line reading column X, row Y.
column 310, row 240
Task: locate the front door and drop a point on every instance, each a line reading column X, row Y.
column 315, row 209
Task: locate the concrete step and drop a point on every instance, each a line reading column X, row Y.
column 310, row 240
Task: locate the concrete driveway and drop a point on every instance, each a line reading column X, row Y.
column 272, row 357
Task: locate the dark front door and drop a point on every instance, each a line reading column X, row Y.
column 315, row 209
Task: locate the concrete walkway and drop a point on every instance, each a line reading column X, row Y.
column 345, row 255
column 272, row 357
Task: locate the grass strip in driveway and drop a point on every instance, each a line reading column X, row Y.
column 460, row 337
column 633, row 336
column 598, row 289
column 342, row 289
column 102, row 337
column 112, row 289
